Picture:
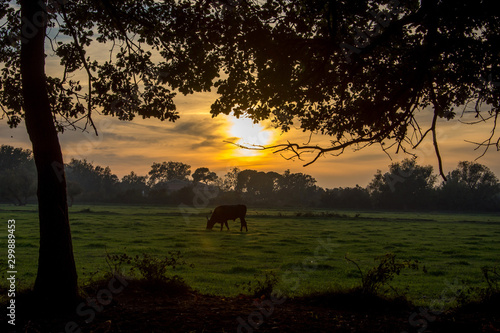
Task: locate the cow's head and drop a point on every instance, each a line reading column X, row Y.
column 210, row 224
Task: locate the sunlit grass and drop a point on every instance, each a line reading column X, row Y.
column 307, row 251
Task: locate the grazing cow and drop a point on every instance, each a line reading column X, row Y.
column 223, row 213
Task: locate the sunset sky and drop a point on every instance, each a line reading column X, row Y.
column 198, row 139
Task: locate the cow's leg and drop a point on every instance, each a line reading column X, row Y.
column 227, row 226
column 221, row 225
column 243, row 224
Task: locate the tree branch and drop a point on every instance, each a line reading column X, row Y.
column 488, row 142
column 81, row 53
column 437, row 110
column 436, row 146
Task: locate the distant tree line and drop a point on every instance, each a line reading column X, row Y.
column 405, row 186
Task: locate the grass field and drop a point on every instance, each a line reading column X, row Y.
column 305, row 249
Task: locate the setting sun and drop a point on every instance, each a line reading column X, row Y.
column 246, row 133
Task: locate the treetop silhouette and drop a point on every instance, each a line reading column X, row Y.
column 362, row 72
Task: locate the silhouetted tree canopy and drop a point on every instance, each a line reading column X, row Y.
column 230, row 179
column 134, row 185
column 296, row 188
column 346, row 198
column 94, row 181
column 165, row 171
column 474, row 176
column 204, row 175
column 471, row 186
column 361, row 72
column 405, row 186
column 17, row 175
column 144, row 45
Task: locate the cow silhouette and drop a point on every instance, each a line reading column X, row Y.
column 222, row 214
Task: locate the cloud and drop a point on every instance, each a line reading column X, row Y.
column 210, row 142
column 199, row 126
column 197, row 139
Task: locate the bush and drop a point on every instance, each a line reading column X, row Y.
column 261, row 288
column 491, row 291
column 383, row 273
column 151, row 268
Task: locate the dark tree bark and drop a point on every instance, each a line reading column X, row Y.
column 56, row 281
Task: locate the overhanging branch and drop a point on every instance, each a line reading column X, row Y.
column 81, row 53
column 298, row 150
column 437, row 110
column 490, row 140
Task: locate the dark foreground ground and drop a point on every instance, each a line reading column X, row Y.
column 139, row 309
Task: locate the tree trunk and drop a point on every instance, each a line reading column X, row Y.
column 56, row 281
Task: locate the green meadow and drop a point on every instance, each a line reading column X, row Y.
column 305, row 249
